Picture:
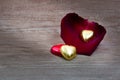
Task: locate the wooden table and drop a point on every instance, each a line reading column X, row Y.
column 28, row 29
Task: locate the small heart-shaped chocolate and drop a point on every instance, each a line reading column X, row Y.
column 56, row 49
column 68, row 52
column 87, row 34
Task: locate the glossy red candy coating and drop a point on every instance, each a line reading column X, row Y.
column 71, row 28
column 56, row 49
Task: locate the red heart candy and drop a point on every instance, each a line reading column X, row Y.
column 56, row 49
column 72, row 27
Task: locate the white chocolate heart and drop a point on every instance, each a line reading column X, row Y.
column 87, row 34
column 68, row 52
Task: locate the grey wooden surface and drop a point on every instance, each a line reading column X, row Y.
column 28, row 29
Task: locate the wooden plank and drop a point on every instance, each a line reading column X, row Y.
column 28, row 29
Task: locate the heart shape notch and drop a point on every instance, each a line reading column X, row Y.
column 81, row 33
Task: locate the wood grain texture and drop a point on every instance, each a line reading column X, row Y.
column 28, row 29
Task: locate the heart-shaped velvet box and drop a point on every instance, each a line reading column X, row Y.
column 81, row 33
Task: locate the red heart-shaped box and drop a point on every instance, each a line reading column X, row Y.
column 71, row 28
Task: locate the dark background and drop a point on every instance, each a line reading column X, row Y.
column 28, row 29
